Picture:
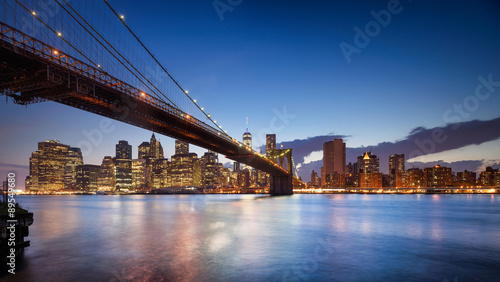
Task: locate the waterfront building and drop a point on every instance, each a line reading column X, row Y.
column 334, row 161
column 370, row 180
column 489, row 177
column 106, row 179
column 139, row 172
column 123, row 165
column 182, row 168
column 396, row 169
column 412, row 178
column 47, row 167
column 73, row 159
column 437, row 176
column 466, row 178
column 86, row 177
column 208, row 166
column 368, row 163
column 161, row 175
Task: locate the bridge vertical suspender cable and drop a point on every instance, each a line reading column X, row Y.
column 163, row 68
column 93, row 29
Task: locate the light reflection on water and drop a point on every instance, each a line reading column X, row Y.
column 255, row 238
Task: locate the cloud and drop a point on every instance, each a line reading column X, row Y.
column 420, row 141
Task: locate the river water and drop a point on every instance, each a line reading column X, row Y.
column 260, row 238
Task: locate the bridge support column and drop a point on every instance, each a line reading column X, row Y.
column 281, row 185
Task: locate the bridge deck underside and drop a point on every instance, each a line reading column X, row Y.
column 29, row 79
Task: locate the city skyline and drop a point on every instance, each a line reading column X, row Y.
column 403, row 83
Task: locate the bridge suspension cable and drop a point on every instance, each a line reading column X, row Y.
column 208, row 116
column 114, row 49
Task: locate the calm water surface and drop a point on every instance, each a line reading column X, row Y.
column 254, row 238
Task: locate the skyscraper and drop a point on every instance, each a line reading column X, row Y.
column 208, row 169
column 123, row 164
column 437, row 176
column 47, row 167
column 106, row 179
column 86, row 177
column 368, row 163
column 270, row 143
column 334, row 160
column 155, row 150
column 73, row 159
column 123, row 150
column 396, row 169
column 144, row 151
column 396, row 163
column 181, row 147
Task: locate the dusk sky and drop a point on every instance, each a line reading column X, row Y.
column 259, row 58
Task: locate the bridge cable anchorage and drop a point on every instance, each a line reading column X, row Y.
column 114, row 49
column 163, row 68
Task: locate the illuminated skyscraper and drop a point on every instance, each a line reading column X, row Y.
column 139, row 172
column 123, row 165
column 396, row 163
column 47, row 167
column 144, row 151
column 73, row 159
column 181, row 147
column 86, row 177
column 208, row 169
column 247, row 141
column 334, row 160
column 270, row 143
column 123, row 150
column 437, row 176
column 106, row 179
column 368, row 163
column 396, row 169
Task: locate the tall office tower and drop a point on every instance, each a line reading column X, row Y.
column 236, row 166
column 396, row 169
column 181, row 147
column 86, row 177
column 73, row 159
column 139, row 171
column 161, row 177
column 197, row 173
column 334, row 158
column 106, row 180
column 123, row 165
column 208, row 164
column 314, row 179
column 396, row 163
column 368, row 163
column 437, row 176
column 270, row 143
column 123, row 150
column 182, row 169
column 247, row 141
column 47, row 167
column 144, row 151
column 155, row 150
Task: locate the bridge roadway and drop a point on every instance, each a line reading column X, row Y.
column 32, row 71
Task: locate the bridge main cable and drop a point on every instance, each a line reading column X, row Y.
column 163, row 68
column 114, row 49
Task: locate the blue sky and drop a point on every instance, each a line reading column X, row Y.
column 268, row 56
